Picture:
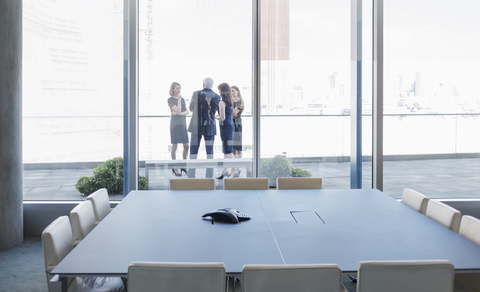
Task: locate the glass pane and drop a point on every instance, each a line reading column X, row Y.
column 72, row 94
column 432, row 104
column 186, row 41
column 305, row 90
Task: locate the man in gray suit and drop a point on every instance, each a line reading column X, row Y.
column 204, row 105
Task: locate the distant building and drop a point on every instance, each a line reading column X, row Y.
column 275, row 55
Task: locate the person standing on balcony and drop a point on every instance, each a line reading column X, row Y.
column 204, row 105
column 238, row 106
column 225, row 112
column 178, row 124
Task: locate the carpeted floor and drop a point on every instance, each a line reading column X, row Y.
column 22, row 269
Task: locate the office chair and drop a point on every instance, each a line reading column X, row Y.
column 415, row 200
column 189, row 184
column 401, row 276
column 286, row 278
column 178, row 277
column 57, row 243
column 470, row 229
column 82, row 219
column 297, row 183
column 101, row 204
column 444, row 214
column 251, row 183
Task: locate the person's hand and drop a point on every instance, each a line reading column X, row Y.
column 174, row 110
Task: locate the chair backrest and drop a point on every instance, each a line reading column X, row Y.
column 415, row 200
column 286, row 278
column 251, row 183
column 100, row 203
column 82, row 220
column 444, row 214
column 179, row 277
column 188, row 184
column 57, row 242
column 297, row 183
column 470, row 228
column 401, row 276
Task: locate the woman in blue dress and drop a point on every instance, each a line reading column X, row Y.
column 225, row 110
column 178, row 124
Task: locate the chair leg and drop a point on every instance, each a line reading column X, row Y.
column 125, row 282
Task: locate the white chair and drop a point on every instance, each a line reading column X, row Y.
column 57, row 242
column 415, row 200
column 178, row 277
column 82, row 220
column 101, row 204
column 298, row 183
column 444, row 214
column 402, row 276
column 190, row 184
column 470, row 229
column 286, row 278
column 251, row 183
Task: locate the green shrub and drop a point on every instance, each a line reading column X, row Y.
column 298, row 172
column 108, row 175
column 278, row 166
column 142, row 183
column 86, row 185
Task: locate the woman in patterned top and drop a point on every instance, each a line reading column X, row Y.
column 238, row 106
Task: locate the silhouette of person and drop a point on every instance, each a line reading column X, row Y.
column 178, row 123
column 238, row 106
column 204, row 105
column 225, row 111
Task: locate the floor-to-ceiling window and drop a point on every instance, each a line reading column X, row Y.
column 72, row 93
column 432, row 104
column 73, row 88
column 305, row 89
column 185, row 42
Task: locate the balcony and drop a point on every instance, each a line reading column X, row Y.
column 433, row 153
column 448, row 177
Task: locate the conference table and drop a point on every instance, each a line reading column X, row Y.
column 286, row 227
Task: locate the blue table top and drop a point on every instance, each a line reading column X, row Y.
column 287, row 226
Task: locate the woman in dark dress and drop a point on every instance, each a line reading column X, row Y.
column 225, row 110
column 178, row 123
column 238, row 106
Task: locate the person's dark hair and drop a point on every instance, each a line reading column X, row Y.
column 226, row 93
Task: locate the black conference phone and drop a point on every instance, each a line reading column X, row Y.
column 227, row 215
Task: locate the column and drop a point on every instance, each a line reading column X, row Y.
column 11, row 167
